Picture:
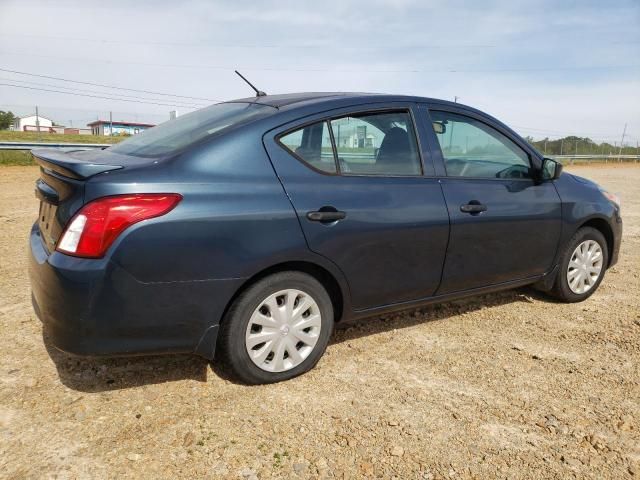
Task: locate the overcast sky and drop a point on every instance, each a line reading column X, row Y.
column 547, row 68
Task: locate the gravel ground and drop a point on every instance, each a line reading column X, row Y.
column 507, row 385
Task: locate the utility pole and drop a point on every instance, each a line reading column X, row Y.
column 624, row 131
column 545, row 146
column 110, row 124
column 561, row 145
column 455, row 99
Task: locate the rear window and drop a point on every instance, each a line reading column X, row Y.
column 175, row 135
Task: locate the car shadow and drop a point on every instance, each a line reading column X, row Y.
column 93, row 375
column 96, row 374
column 352, row 329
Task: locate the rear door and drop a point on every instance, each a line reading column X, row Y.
column 505, row 226
column 366, row 200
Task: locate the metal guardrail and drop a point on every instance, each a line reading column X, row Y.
column 612, row 156
column 32, row 145
column 595, row 158
column 89, row 146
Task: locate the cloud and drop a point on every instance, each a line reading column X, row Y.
column 561, row 66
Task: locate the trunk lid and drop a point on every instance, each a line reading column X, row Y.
column 60, row 188
column 72, row 163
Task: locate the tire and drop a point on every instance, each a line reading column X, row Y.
column 262, row 312
column 562, row 288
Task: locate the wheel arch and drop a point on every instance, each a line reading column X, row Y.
column 321, row 274
column 602, row 225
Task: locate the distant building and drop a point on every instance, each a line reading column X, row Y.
column 29, row 123
column 103, row 127
column 76, row 131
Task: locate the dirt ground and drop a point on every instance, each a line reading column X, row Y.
column 509, row 385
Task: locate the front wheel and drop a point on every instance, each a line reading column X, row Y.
column 276, row 329
column 582, row 266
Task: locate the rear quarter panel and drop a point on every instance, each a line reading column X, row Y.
column 234, row 216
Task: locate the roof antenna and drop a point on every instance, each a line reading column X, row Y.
column 259, row 93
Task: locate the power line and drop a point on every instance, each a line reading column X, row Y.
column 96, row 96
column 50, row 77
column 298, row 45
column 98, row 92
column 93, row 111
column 323, row 69
column 206, row 43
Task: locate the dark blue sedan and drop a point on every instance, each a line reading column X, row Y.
column 245, row 230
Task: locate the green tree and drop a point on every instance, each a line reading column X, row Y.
column 573, row 145
column 6, row 119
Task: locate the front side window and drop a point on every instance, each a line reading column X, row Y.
column 471, row 148
column 376, row 144
column 312, row 144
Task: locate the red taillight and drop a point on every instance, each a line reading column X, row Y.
column 94, row 228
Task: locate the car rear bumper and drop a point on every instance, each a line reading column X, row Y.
column 95, row 307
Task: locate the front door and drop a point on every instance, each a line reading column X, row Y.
column 356, row 181
column 504, row 225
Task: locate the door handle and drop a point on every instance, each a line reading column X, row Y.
column 326, row 216
column 474, row 207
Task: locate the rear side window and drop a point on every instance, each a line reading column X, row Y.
column 176, row 135
column 377, row 144
column 312, row 144
column 364, row 144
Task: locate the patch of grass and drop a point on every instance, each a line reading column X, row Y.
column 10, row 136
column 15, row 157
column 278, row 458
column 23, row 157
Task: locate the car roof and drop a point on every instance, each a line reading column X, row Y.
column 308, row 103
column 295, row 100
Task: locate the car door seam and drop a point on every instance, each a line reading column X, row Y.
column 446, row 249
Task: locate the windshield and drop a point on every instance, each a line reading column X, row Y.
column 175, row 135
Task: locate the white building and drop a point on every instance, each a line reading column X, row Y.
column 30, row 123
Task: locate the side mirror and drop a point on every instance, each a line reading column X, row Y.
column 551, row 170
column 439, row 128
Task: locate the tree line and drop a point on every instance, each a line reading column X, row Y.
column 573, row 145
column 6, row 119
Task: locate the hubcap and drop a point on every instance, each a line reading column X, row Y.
column 585, row 266
column 283, row 330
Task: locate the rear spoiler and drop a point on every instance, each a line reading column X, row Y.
column 60, row 161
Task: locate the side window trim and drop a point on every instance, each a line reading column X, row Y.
column 334, row 149
column 437, row 150
column 358, row 112
column 302, row 160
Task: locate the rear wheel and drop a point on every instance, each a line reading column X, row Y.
column 276, row 329
column 582, row 266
